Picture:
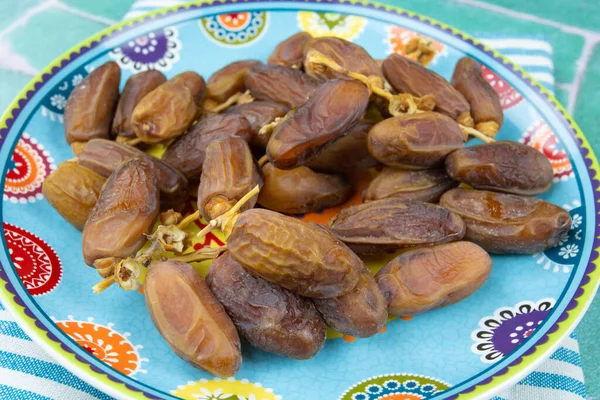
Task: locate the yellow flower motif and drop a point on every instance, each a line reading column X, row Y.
column 224, row 389
column 343, row 26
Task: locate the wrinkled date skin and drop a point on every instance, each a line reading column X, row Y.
column 271, row 318
column 431, row 277
column 360, row 313
column 407, row 76
column 228, row 173
column 187, row 153
column 346, row 154
column 290, row 52
column 125, row 211
column 91, row 106
column 422, row 185
column 348, row 55
column 335, row 107
column 288, row 86
column 137, row 86
column 301, row 190
column 258, row 114
column 104, row 156
column 73, row 191
column 300, row 257
column 504, row 166
column 167, row 111
column 391, row 224
column 415, row 141
column 483, row 99
column 191, row 319
column 506, row 223
column 229, row 80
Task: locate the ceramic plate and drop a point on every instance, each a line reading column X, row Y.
column 474, row 348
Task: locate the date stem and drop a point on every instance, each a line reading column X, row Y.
column 477, row 134
column 207, row 253
column 262, row 161
column 237, row 98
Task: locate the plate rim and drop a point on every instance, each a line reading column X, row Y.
column 539, row 350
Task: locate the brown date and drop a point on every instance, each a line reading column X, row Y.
column 229, row 80
column 191, row 319
column 423, row 185
column 73, row 191
column 167, row 111
column 360, row 313
column 137, row 86
column 104, row 156
column 300, row 257
column 348, row 55
column 258, row 114
column 290, row 52
column 504, row 166
column 506, row 223
column 431, row 277
column 187, row 153
column 407, row 76
column 392, row 224
column 271, row 318
column 228, row 173
column 288, row 86
column 334, row 107
column 486, row 109
column 415, row 141
column 125, row 211
column 90, row 108
column 348, row 153
column 301, row 190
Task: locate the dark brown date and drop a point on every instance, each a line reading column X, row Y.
column 360, row 313
column 301, row 190
column 486, row 109
column 432, row 277
column 229, row 80
column 168, row 111
column 288, row 86
column 415, row 141
column 125, row 211
column 90, row 108
column 191, row 319
column 258, row 114
column 333, row 109
column 73, row 191
column 186, row 154
column 290, row 52
column 271, row 318
column 407, row 76
column 391, row 224
column 506, row 223
column 137, row 86
column 423, row 185
column 104, row 156
column 348, row 153
column 228, row 173
column 504, row 166
column 300, row 257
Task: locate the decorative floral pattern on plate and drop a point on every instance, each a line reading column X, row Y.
column 28, row 166
column 509, row 97
column 104, row 343
column 498, row 335
column 53, row 104
column 155, row 50
column 398, row 37
column 229, row 389
column 540, row 137
column 343, row 26
column 235, row 29
column 35, row 261
column 395, row 387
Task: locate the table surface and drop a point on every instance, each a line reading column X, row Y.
column 30, row 38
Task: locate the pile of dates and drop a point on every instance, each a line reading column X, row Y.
column 259, row 143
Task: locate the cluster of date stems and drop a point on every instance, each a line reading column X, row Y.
column 288, row 136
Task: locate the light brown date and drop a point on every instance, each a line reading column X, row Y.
column 431, row 277
column 290, row 52
column 229, row 80
column 288, row 86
